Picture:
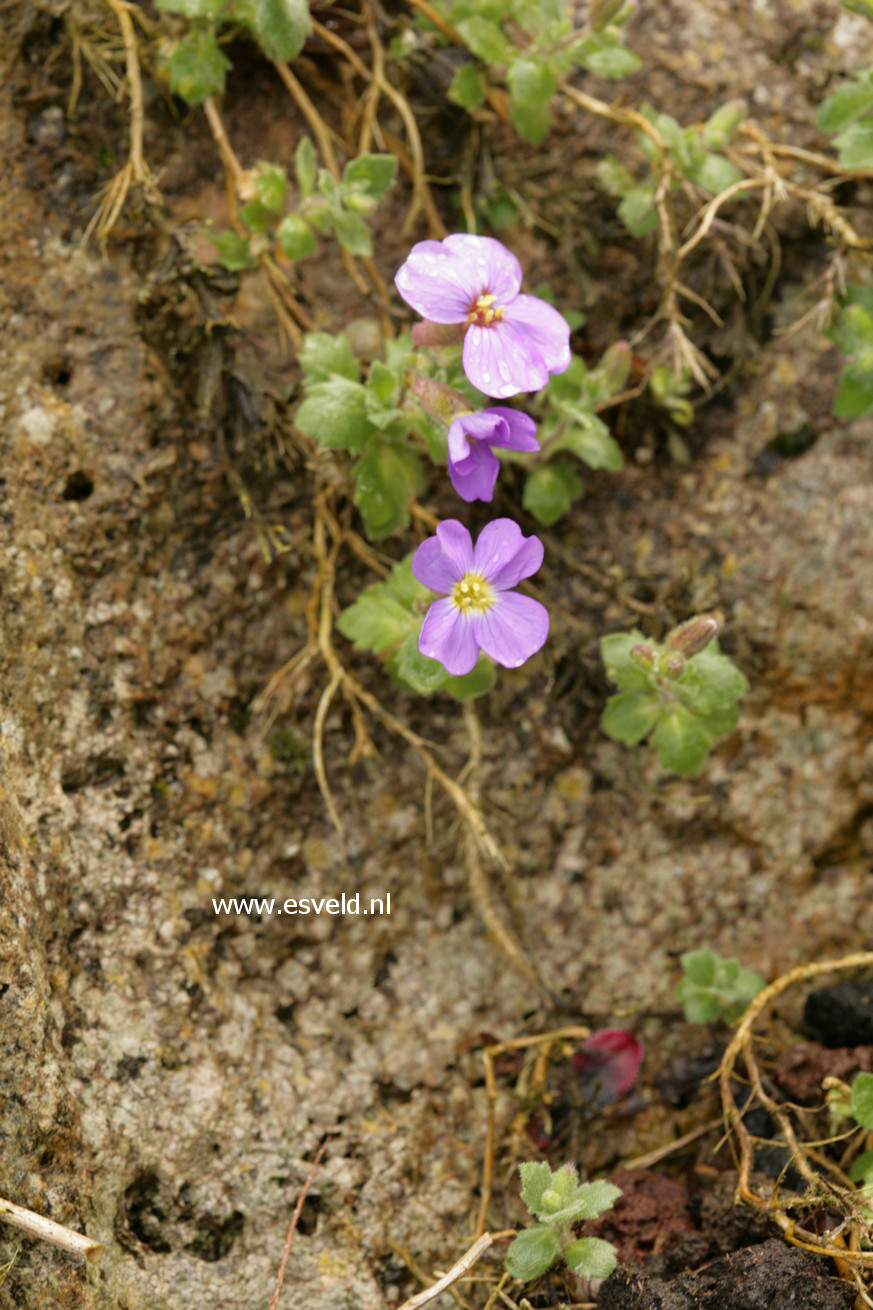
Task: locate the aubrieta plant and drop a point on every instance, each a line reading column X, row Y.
column 558, row 1201
column 713, row 988
column 681, row 693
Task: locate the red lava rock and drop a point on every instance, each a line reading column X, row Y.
column 651, row 1223
column 801, row 1068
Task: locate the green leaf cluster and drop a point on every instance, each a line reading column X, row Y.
column 558, row 1200
column 570, row 425
column 714, row 988
column 848, row 115
column 683, row 705
column 695, row 153
column 386, row 619
column 197, row 68
column 862, row 1100
column 325, row 205
column 365, row 417
column 530, row 68
column 852, row 331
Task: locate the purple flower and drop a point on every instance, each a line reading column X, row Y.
column 473, row 466
column 512, row 342
column 478, row 611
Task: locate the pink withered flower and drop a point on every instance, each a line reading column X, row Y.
column 478, row 610
column 512, row 342
column 473, row 466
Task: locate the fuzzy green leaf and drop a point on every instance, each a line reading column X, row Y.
column 591, row 1257
column 532, row 122
column 281, row 27
column 862, row 1100
column 323, row 355
column 353, row 232
column 590, row 440
column 719, row 128
column 415, row 670
column 855, row 145
column 681, row 741
column 468, row 88
column 386, row 477
column 710, row 682
column 233, row 250
column 305, row 166
column 551, row 490
column 714, row 173
column 615, row 650
column 197, row 67
column 296, row 237
column 630, row 716
column 334, row 414
column 371, row 174
column 467, row 686
column 637, row 210
column 271, row 185
column 848, row 103
column 486, row 40
column 854, row 397
column 531, row 83
column 376, row 621
column 533, row 1252
column 536, row 1178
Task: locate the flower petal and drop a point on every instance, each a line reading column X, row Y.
column 513, row 629
column 474, row 476
column 522, row 434
column 439, row 285
column 441, row 561
column 447, row 635
column 498, row 267
column 501, row 360
column 486, row 426
column 504, row 555
column 548, row 330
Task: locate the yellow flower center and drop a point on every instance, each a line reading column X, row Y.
column 472, row 593
column 484, row 312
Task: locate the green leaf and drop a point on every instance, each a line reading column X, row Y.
column 536, row 1178
column 591, row 1257
column 612, row 59
column 681, row 741
column 305, row 166
column 376, row 622
column 614, row 176
column 596, row 1197
column 862, row 1100
column 271, row 185
column 637, row 210
column 467, row 686
column 323, row 355
column 334, row 414
column 710, row 682
column 415, row 670
column 531, row 83
column 353, row 233
column 590, row 440
column 551, row 490
column 296, row 237
column 371, row 174
column 197, row 67
column 700, row 967
column 715, row 988
column 849, row 102
column 532, row 122
column 615, row 651
column 233, row 250
column 714, row 173
column 854, row 397
column 630, row 716
column 386, row 476
column 468, row 88
column 193, row 8
column 281, row 27
column 862, row 1169
column 486, row 40
column 855, row 145
column 533, row 1252
column 255, row 217
column 404, row 586
column 383, row 383
column 720, row 127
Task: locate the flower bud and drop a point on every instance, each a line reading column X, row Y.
column 438, row 334
column 602, row 12
column 645, row 656
column 694, row 636
column 672, row 665
column 552, row 1199
column 438, row 399
column 615, row 366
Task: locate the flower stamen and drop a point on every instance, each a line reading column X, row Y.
column 472, row 593
column 484, row 312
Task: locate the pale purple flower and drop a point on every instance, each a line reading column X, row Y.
column 473, row 466
column 478, row 611
column 512, row 342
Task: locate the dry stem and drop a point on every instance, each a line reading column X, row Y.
column 48, row 1231
column 467, row 1260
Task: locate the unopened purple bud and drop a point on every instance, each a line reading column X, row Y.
column 672, row 665
column 645, row 656
column 694, row 636
column 438, row 399
column 438, row 334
